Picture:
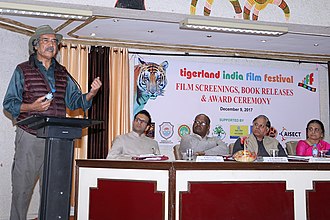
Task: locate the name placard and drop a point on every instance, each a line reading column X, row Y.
column 275, row 159
column 319, row 160
column 209, row 159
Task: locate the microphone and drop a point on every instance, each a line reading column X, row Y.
column 81, row 93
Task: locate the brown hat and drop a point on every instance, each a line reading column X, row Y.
column 43, row 29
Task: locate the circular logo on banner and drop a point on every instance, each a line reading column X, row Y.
column 183, row 130
column 166, row 130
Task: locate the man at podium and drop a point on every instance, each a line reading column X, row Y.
column 39, row 86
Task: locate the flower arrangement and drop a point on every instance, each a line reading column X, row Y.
column 245, row 155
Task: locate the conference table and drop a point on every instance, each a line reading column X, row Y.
column 189, row 190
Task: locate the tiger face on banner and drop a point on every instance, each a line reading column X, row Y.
column 149, row 82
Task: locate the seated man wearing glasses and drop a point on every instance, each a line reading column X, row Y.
column 258, row 141
column 135, row 143
column 199, row 142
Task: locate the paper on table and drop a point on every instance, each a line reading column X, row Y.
column 150, row 157
column 299, row 158
column 319, row 160
column 275, row 159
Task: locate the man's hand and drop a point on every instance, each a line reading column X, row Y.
column 40, row 105
column 96, row 85
column 201, row 153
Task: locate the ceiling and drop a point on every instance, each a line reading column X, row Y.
column 146, row 30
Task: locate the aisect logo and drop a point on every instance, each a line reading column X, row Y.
column 289, row 134
column 166, row 130
column 219, row 132
column 183, row 130
column 307, row 82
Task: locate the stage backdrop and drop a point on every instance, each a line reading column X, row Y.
column 174, row 90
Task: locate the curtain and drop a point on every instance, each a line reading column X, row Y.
column 119, row 111
column 112, row 106
column 74, row 58
column 98, row 141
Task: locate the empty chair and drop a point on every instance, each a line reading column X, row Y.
column 231, row 147
column 291, row 147
column 176, row 152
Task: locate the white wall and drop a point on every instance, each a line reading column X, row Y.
column 14, row 50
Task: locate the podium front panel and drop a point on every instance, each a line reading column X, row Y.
column 61, row 132
column 57, row 179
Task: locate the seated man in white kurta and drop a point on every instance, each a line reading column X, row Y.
column 134, row 143
column 199, row 142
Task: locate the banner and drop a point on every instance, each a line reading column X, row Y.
column 175, row 90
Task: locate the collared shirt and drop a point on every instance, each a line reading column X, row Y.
column 208, row 145
column 132, row 144
column 14, row 95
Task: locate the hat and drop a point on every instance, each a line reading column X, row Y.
column 43, row 29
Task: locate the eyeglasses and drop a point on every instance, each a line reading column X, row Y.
column 140, row 121
column 202, row 123
column 256, row 125
column 315, row 130
column 47, row 40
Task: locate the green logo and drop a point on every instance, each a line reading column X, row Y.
column 183, row 130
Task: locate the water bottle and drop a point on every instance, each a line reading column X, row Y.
column 315, row 151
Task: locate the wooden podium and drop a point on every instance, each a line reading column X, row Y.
column 58, row 159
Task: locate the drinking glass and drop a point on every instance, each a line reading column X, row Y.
column 190, row 154
column 273, row 152
column 323, row 152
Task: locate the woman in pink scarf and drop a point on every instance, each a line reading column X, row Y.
column 315, row 134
